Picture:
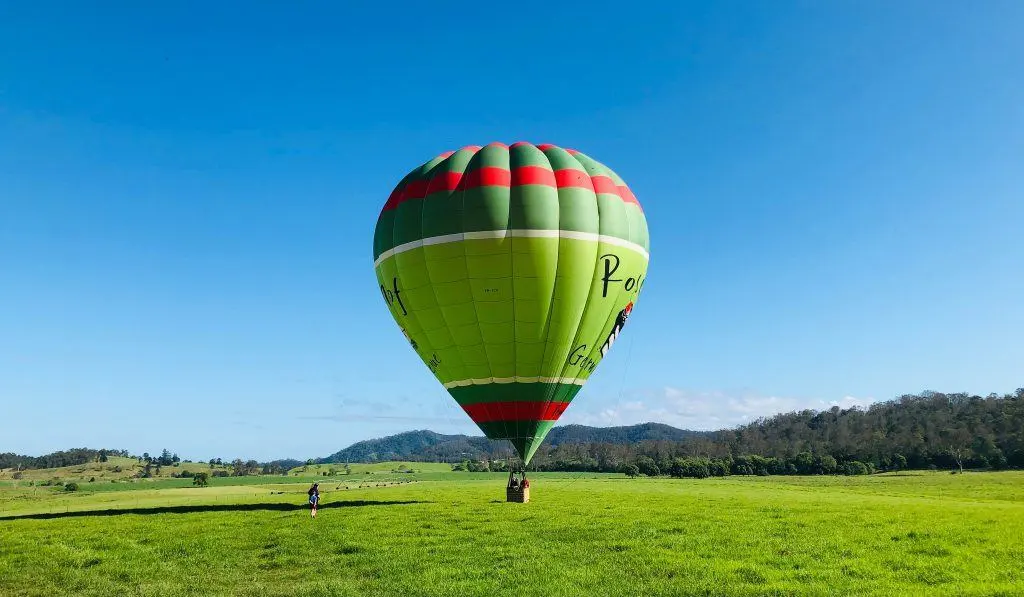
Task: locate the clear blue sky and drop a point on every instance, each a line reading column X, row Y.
column 188, row 192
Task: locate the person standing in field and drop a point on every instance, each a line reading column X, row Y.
column 314, row 498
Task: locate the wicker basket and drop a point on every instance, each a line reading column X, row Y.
column 519, row 495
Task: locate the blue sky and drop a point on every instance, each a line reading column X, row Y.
column 187, row 200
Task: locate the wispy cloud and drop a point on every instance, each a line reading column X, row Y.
column 699, row 410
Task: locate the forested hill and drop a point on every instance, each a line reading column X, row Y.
column 414, row 445
column 928, row 429
column 916, row 431
column 430, row 446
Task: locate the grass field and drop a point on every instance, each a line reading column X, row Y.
column 443, row 533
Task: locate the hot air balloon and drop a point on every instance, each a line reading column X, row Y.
column 511, row 271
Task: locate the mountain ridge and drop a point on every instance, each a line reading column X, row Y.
column 425, row 444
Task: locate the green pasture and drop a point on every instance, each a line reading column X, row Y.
column 373, row 468
column 116, row 468
column 443, row 533
column 119, row 474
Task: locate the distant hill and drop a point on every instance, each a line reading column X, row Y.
column 421, row 444
column 430, row 446
column 581, row 434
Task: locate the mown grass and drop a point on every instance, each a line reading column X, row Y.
column 453, row 534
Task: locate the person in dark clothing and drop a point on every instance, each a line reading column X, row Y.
column 314, row 498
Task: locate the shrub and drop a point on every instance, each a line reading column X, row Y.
column 631, row 470
column 828, row 465
column 718, row 468
column 72, row 486
column 854, row 467
column 200, row 479
column 647, row 466
column 696, row 468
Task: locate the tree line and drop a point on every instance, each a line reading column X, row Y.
column 930, row 430
column 914, row 431
column 73, row 457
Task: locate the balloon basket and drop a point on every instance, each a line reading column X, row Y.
column 519, row 495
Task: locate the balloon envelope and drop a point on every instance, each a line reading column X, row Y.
column 511, row 272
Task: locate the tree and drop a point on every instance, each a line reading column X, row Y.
column 899, row 462
column 828, row 464
column 200, row 479
column 958, row 455
column 647, row 466
column 854, row 467
column 631, row 470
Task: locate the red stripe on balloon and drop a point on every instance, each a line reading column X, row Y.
column 491, row 176
column 603, row 184
column 416, row 189
column 533, row 175
column 487, row 176
column 445, row 181
column 628, row 196
column 486, row 412
column 573, row 178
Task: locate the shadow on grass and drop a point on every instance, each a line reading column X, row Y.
column 191, row 508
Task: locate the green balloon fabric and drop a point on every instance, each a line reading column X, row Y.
column 511, row 270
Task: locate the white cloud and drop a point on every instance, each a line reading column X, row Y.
column 698, row 410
